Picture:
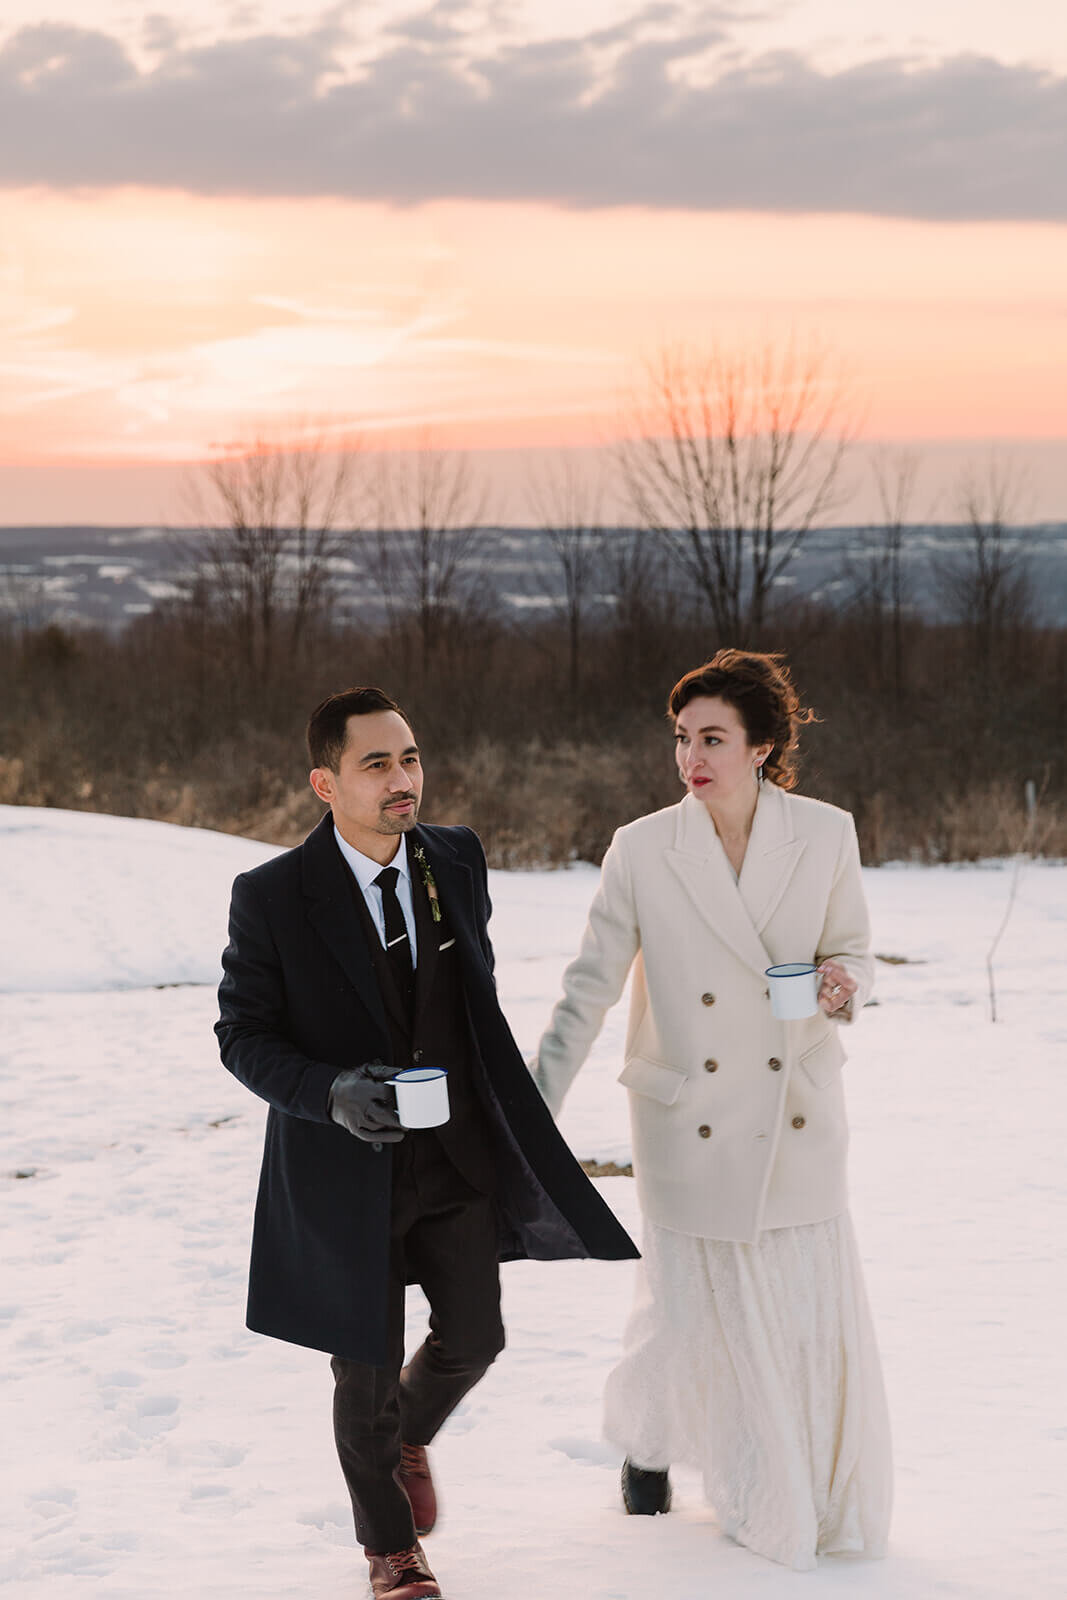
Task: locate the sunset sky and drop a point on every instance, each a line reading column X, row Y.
column 483, row 218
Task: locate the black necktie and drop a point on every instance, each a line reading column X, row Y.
column 397, row 943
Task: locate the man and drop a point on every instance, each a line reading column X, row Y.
column 362, row 952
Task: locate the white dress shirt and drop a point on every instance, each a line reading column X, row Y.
column 365, row 870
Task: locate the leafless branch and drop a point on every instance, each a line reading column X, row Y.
column 430, row 536
column 730, row 462
column 274, row 515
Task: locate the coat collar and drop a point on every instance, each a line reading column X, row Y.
column 737, row 911
column 332, row 912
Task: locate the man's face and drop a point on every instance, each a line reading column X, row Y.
column 375, row 792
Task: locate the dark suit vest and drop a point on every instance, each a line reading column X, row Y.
column 439, row 1032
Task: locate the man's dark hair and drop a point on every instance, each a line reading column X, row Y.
column 327, row 727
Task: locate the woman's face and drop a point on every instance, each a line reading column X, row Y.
column 715, row 760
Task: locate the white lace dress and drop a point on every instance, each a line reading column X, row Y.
column 757, row 1363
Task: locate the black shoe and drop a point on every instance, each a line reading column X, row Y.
column 645, row 1492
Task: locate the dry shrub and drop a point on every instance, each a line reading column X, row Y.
column 161, row 722
column 232, row 793
column 962, row 825
column 541, row 806
column 993, row 822
column 288, row 821
column 535, row 806
column 12, row 771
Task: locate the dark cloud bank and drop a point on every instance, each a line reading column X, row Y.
column 966, row 138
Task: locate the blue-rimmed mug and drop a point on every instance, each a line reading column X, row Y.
column 421, row 1096
column 794, row 987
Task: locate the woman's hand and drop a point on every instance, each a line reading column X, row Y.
column 836, row 989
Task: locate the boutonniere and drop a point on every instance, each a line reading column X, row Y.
column 429, row 882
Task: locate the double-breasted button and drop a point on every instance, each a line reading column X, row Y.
column 774, row 1064
column 798, row 1122
column 707, row 999
column 711, row 1066
column 704, row 1131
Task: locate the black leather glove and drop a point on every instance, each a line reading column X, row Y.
column 363, row 1103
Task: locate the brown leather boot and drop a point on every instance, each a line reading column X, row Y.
column 402, row 1575
column 415, row 1480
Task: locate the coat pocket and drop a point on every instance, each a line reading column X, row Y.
column 824, row 1060
column 652, row 1078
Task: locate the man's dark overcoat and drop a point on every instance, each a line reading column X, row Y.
column 300, row 1000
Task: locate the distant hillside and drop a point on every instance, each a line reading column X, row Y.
column 106, row 576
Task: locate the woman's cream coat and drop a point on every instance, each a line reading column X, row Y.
column 738, row 1119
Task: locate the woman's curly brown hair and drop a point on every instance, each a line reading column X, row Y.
column 762, row 692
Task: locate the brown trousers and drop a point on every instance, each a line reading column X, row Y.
column 443, row 1236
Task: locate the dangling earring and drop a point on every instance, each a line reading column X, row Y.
column 759, row 773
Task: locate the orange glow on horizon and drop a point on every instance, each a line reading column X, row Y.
column 143, row 327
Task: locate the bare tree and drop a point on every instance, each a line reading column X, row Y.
column 646, row 598
column 731, row 462
column 567, row 509
column 274, row 517
column 881, row 586
column 1024, row 848
column 430, row 536
column 988, row 588
column 24, row 602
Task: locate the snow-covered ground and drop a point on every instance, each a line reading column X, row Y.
column 152, row 1447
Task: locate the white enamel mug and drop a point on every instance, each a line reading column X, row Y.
column 794, row 990
column 421, row 1097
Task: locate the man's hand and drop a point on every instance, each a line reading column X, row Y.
column 362, row 1103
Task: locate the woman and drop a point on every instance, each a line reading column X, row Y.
column 749, row 1352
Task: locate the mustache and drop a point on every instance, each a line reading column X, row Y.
column 398, row 799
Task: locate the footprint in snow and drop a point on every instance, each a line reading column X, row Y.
column 587, row 1452
column 163, row 1359
column 78, row 1332
column 119, row 1379
column 213, row 1453
column 333, row 1522
column 156, row 1414
column 214, row 1499
column 53, row 1501
column 114, row 1388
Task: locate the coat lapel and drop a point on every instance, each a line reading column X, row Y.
column 428, row 931
column 771, row 858
column 332, row 912
column 737, row 911
column 455, row 887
